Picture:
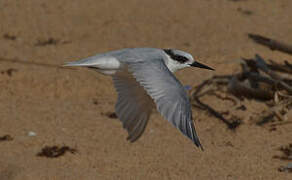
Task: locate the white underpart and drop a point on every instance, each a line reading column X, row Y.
column 105, row 65
column 107, row 72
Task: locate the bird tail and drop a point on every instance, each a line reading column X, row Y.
column 83, row 62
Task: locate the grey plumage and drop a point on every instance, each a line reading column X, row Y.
column 143, row 78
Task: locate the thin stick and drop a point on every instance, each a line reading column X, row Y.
column 240, row 89
column 272, row 44
column 281, row 68
column 261, row 64
column 230, row 125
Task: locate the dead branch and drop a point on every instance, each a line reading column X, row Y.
column 266, row 118
column 201, row 86
column 288, row 64
column 272, row 44
column 281, row 68
column 230, row 125
column 234, row 102
column 240, row 89
column 261, row 64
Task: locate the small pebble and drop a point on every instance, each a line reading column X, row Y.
column 31, row 133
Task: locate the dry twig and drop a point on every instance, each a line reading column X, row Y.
column 258, row 80
column 272, row 44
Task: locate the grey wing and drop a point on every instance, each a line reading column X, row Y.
column 168, row 94
column 134, row 105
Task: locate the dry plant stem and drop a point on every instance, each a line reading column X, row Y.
column 281, row 123
column 281, row 68
column 234, row 102
column 267, row 117
column 272, row 44
column 230, row 125
column 274, row 112
column 242, row 90
column 278, row 80
column 258, row 77
column 261, row 64
column 258, row 80
column 201, row 86
column 288, row 64
column 219, row 80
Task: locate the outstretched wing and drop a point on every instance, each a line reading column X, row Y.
column 134, row 105
column 168, row 94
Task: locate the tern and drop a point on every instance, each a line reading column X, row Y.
column 144, row 79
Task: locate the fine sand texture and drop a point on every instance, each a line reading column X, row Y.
column 42, row 104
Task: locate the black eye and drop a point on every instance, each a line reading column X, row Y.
column 179, row 58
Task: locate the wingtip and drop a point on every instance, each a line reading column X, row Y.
column 199, row 145
column 195, row 137
column 197, row 142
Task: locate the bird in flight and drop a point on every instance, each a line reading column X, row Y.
column 144, row 79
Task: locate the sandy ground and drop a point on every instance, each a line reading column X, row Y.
column 67, row 107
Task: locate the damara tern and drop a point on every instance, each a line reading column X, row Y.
column 143, row 78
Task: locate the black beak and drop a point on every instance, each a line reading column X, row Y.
column 199, row 65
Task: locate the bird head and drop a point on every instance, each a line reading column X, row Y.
column 179, row 59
